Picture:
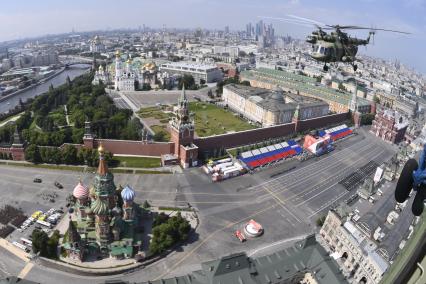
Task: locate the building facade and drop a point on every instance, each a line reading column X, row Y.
column 355, row 252
column 270, row 108
column 389, row 125
column 126, row 77
column 338, row 101
column 200, row 72
column 96, row 45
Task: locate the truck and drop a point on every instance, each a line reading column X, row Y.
column 222, row 166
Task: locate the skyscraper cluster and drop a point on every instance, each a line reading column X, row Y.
column 263, row 33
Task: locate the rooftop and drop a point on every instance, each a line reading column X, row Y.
column 301, row 83
column 290, row 264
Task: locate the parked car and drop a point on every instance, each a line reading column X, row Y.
column 58, row 185
column 37, row 180
column 240, row 236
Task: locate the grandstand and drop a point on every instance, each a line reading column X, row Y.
column 272, row 153
column 338, row 132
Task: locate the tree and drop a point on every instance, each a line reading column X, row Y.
column 69, row 154
column 168, row 231
column 189, row 82
column 320, row 221
column 52, row 245
column 32, row 154
column 39, row 239
column 376, row 99
column 146, row 204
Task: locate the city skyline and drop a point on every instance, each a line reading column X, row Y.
column 31, row 19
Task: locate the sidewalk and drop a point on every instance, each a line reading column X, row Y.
column 14, row 250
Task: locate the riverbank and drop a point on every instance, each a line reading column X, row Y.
column 9, row 102
column 3, row 98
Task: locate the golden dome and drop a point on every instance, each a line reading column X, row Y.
column 117, row 53
column 101, row 149
column 149, row 66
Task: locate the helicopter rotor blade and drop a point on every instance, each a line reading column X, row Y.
column 306, row 20
column 364, row 28
column 290, row 21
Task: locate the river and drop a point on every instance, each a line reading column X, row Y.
column 60, row 79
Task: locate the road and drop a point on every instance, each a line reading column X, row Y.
column 286, row 205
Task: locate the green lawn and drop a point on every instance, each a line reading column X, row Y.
column 212, row 120
column 138, row 162
column 154, row 112
column 165, row 136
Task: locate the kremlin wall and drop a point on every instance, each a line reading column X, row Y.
column 184, row 148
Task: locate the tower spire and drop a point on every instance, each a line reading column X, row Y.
column 103, row 167
column 183, row 94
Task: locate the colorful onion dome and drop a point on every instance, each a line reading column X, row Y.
column 99, row 207
column 80, row 191
column 128, row 194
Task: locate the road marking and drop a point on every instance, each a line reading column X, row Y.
column 25, row 270
column 14, row 250
column 3, row 268
column 281, row 203
column 209, row 237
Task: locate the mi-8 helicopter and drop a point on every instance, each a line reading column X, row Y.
column 336, row 46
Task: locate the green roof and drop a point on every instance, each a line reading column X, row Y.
column 284, row 266
column 300, row 83
column 119, row 248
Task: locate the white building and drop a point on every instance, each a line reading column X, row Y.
column 102, row 75
column 200, row 72
column 96, row 45
column 232, row 51
column 126, row 78
column 354, row 251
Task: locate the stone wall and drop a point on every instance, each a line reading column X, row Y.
column 140, row 148
column 231, row 140
column 18, row 153
column 243, row 137
column 319, row 122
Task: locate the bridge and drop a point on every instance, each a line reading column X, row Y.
column 69, row 60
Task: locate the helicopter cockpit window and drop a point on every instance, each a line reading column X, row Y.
column 322, row 50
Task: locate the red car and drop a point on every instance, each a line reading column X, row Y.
column 240, row 236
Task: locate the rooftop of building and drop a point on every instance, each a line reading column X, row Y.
column 274, row 100
column 306, row 256
column 301, row 83
column 189, row 65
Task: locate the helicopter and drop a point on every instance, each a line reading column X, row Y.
column 336, row 46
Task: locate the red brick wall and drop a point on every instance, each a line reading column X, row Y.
column 243, row 137
column 18, row 154
column 319, row 122
column 124, row 147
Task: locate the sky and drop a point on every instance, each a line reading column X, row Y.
column 27, row 18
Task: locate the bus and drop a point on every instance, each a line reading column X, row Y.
column 46, row 224
column 27, row 242
column 21, row 246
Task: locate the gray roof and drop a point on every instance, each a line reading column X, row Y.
column 15, row 280
column 290, row 264
column 274, row 100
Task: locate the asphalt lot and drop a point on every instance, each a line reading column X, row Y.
column 142, row 99
column 286, row 204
